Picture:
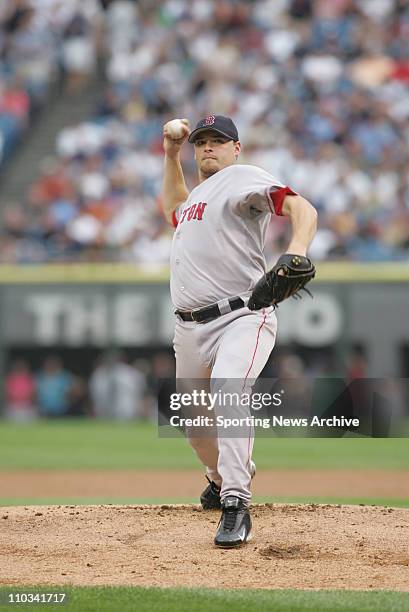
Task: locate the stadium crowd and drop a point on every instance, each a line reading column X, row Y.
column 319, row 91
column 117, row 387
column 41, row 42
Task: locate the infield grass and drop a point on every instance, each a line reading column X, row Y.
column 127, row 599
column 76, row 444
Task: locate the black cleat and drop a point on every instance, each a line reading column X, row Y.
column 210, row 498
column 235, row 523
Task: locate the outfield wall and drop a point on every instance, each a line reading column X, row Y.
column 120, row 305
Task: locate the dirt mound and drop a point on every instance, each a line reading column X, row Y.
column 294, row 546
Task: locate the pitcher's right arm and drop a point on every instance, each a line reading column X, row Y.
column 174, row 190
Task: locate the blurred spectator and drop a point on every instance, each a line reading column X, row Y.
column 14, row 102
column 53, row 388
column 78, row 51
column 162, row 383
column 77, row 398
column 14, row 114
column 20, row 392
column 356, row 364
column 117, row 389
column 29, row 49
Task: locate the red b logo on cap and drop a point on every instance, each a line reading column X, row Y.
column 210, row 119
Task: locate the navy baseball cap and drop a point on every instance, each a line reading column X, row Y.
column 217, row 123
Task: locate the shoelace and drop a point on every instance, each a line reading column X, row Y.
column 213, row 486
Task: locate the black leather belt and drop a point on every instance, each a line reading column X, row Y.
column 208, row 313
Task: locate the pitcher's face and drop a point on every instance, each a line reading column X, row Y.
column 213, row 152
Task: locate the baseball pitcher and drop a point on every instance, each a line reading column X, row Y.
column 223, row 296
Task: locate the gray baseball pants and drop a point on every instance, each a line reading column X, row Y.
column 229, row 353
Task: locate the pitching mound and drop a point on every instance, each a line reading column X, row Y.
column 294, row 546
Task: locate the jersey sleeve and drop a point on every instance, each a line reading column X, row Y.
column 175, row 217
column 255, row 192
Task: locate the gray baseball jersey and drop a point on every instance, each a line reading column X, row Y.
column 217, row 249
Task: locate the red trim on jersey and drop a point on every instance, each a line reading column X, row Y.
column 174, row 220
column 277, row 197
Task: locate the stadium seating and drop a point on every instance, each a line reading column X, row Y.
column 318, row 90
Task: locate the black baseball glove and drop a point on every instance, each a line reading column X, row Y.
column 273, row 288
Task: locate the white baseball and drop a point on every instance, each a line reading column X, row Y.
column 175, row 129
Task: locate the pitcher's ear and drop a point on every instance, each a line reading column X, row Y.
column 237, row 148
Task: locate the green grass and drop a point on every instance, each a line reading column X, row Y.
column 130, row 599
column 107, row 445
column 257, row 499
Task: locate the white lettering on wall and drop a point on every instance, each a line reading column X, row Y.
column 132, row 323
column 311, row 322
column 96, row 319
